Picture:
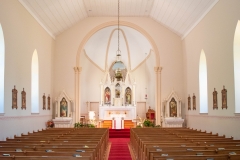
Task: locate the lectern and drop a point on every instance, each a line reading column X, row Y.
column 150, row 115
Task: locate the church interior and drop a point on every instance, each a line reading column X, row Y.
column 116, row 63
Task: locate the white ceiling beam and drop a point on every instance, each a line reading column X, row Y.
column 37, row 19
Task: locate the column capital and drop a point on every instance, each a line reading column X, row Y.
column 77, row 69
column 158, row 69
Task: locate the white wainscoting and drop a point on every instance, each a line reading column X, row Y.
column 223, row 125
column 16, row 125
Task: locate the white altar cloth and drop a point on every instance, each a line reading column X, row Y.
column 110, row 112
column 174, row 122
column 63, row 122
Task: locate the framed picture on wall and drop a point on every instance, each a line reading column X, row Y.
column 224, row 98
column 189, row 102
column 49, row 100
column 215, row 102
column 14, row 98
column 23, row 93
column 44, row 102
column 194, row 101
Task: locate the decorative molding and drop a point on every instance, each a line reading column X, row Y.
column 158, row 69
column 92, row 61
column 21, row 117
column 207, row 116
column 142, row 61
column 61, row 95
column 77, row 69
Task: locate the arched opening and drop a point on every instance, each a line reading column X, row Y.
column 79, row 63
column 2, row 68
column 236, row 59
column 203, row 89
column 35, row 83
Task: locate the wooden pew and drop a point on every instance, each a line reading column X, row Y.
column 173, row 140
column 93, row 142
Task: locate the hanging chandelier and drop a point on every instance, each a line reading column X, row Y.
column 118, row 65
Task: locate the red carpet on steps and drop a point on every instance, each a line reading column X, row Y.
column 119, row 144
column 119, row 133
column 119, row 149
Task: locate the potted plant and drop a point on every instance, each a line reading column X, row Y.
column 148, row 123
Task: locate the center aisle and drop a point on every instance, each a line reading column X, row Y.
column 119, row 149
column 119, row 144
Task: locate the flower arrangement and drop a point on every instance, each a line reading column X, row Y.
column 81, row 125
column 50, row 124
column 145, row 123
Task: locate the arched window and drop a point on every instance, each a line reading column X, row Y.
column 2, row 66
column 35, row 83
column 203, row 89
column 236, row 59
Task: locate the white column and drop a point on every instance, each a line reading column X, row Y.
column 158, row 94
column 122, row 95
column 122, row 127
column 102, row 94
column 112, row 94
column 113, row 124
column 134, row 94
column 56, row 109
column 77, row 94
column 88, row 106
column 180, row 109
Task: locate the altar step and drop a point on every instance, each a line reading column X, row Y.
column 107, row 124
column 119, row 133
column 127, row 124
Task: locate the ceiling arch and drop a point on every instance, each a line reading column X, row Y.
column 102, row 46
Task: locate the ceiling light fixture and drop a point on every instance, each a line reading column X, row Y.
column 118, row 66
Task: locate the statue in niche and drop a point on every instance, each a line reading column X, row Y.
column 215, row 105
column 117, row 91
column 224, row 98
column 173, row 108
column 128, row 96
column 194, row 102
column 63, row 108
column 107, row 95
column 189, row 102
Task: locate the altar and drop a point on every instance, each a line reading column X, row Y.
column 172, row 111
column 110, row 112
column 63, row 111
column 117, row 102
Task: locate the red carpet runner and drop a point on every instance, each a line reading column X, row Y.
column 119, row 147
column 119, row 133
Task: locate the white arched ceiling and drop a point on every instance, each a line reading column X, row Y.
column 102, row 46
